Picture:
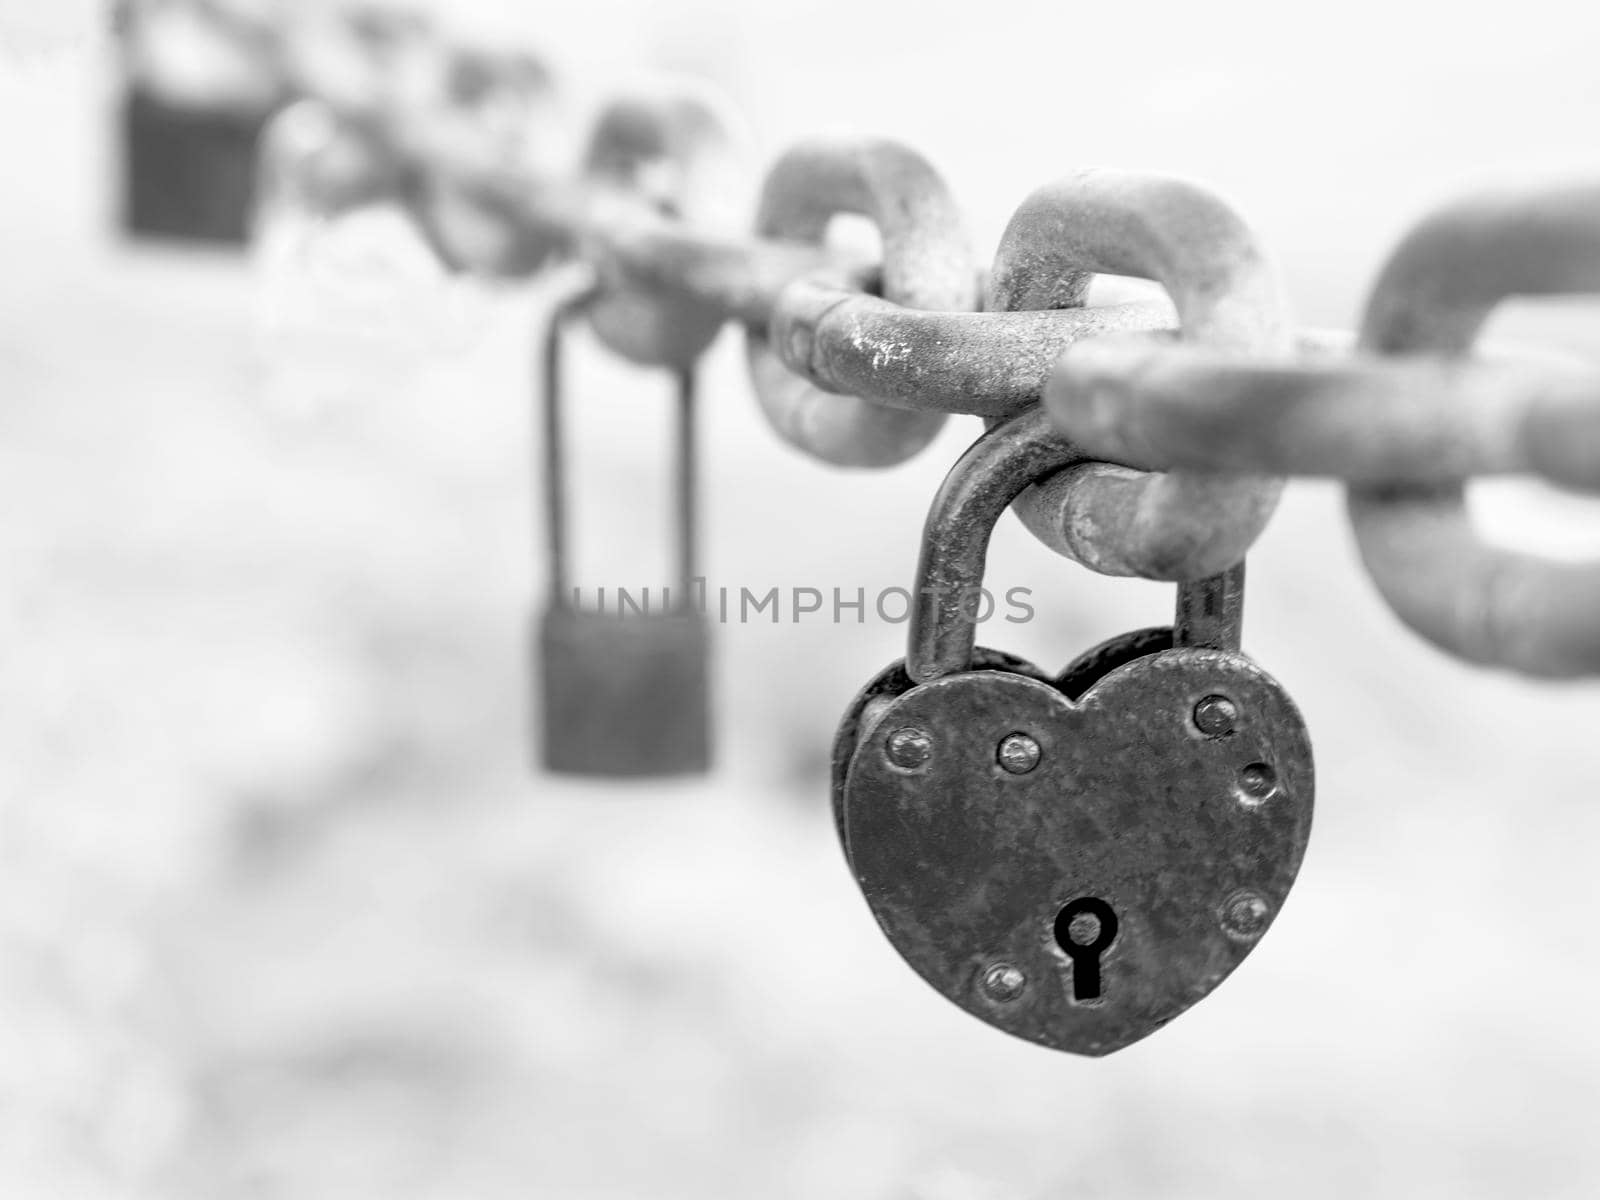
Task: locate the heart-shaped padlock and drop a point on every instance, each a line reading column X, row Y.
column 1075, row 860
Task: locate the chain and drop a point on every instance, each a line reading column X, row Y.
column 1191, row 411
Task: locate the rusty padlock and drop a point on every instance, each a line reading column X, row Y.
column 1074, row 859
column 621, row 695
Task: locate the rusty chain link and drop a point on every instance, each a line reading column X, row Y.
column 1185, row 524
column 926, row 265
column 1182, row 419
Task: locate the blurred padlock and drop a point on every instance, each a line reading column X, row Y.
column 202, row 77
column 621, row 694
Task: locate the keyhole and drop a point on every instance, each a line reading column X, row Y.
column 1085, row 929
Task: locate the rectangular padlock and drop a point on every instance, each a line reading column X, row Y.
column 625, row 695
column 188, row 173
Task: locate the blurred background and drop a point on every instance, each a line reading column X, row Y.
column 283, row 910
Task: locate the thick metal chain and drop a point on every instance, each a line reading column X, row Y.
column 1190, row 413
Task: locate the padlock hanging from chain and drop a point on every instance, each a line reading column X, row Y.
column 1074, row 858
column 621, row 695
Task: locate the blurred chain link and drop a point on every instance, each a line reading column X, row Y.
column 1192, row 412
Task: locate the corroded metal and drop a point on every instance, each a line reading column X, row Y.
column 1183, row 525
column 881, row 690
column 1076, row 859
column 857, row 364
column 620, row 695
column 1478, row 601
column 955, row 542
column 927, row 264
column 967, row 865
column 991, row 364
column 1158, row 404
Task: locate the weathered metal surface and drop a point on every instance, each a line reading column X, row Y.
column 1094, row 664
column 989, row 364
column 1079, row 859
column 927, row 263
column 996, row 469
column 883, row 687
column 645, row 153
column 1190, row 843
column 1478, row 601
column 1183, row 525
column 1234, row 400
column 620, row 694
column 1158, row 404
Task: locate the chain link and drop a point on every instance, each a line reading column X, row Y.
column 1181, row 419
column 1183, row 525
column 1478, row 601
column 927, row 264
column 647, row 153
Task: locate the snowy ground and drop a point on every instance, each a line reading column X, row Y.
column 283, row 914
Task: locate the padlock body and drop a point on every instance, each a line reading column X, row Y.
column 969, row 866
column 624, row 696
column 874, row 699
column 188, row 173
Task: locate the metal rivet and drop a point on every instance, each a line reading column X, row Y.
column 1257, row 782
column 1018, row 753
column 1244, row 916
column 1003, row 982
column 909, row 748
column 1215, row 716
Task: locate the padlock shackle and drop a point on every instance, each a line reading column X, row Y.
column 994, row 471
column 685, row 485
